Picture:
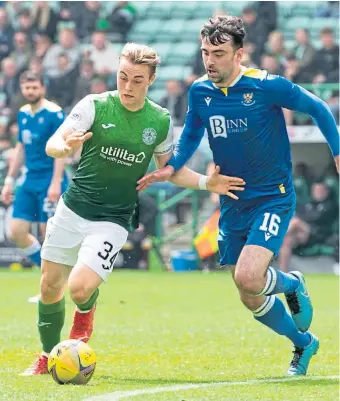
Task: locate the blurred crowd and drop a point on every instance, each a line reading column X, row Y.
column 265, row 48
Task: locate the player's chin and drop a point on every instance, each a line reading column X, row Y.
column 214, row 78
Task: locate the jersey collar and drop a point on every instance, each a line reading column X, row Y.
column 42, row 107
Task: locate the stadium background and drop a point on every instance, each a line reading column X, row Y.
column 75, row 45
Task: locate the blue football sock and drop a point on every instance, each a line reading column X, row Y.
column 273, row 314
column 279, row 282
column 33, row 253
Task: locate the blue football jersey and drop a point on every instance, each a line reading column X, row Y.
column 34, row 132
column 246, row 128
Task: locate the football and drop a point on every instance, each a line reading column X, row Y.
column 72, row 361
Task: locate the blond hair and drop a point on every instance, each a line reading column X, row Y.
column 141, row 54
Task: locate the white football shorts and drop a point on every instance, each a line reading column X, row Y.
column 71, row 239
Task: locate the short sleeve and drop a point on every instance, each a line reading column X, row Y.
column 167, row 145
column 82, row 115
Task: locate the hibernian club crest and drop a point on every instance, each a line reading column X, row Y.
column 149, row 136
column 248, row 99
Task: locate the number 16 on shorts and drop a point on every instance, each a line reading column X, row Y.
column 270, row 225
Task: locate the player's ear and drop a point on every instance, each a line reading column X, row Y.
column 152, row 79
column 239, row 54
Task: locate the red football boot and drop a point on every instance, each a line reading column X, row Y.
column 39, row 367
column 82, row 325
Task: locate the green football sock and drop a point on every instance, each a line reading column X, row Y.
column 87, row 306
column 50, row 322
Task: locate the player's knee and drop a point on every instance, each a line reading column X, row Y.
column 50, row 290
column 79, row 294
column 247, row 283
column 16, row 234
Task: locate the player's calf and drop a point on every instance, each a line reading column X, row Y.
column 82, row 327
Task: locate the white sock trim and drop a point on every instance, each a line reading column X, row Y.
column 43, row 353
column 265, row 307
column 83, row 311
column 30, row 250
column 271, row 281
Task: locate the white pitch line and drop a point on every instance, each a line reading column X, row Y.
column 119, row 395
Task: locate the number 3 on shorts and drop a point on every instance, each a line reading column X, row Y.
column 106, row 254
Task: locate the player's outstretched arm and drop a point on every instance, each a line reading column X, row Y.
column 215, row 182
column 188, row 178
column 73, row 132
column 17, row 161
column 284, row 93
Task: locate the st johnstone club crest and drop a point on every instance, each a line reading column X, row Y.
column 248, row 99
column 149, row 136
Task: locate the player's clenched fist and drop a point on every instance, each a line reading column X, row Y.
column 71, row 144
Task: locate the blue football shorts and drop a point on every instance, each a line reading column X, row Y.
column 260, row 221
column 31, row 202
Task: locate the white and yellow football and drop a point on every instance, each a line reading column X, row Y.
column 72, row 361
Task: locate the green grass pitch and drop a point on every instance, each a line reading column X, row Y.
column 170, row 329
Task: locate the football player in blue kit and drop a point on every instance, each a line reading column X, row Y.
column 45, row 178
column 241, row 110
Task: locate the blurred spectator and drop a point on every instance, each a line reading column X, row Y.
column 302, row 170
column 267, row 14
column 271, row 64
column 294, row 73
column 327, row 59
column 329, row 9
column 69, row 10
column 197, row 67
column 175, row 101
column 312, row 226
column 86, row 75
column 42, row 43
column 36, row 66
column 86, row 18
column 6, row 34
column 10, row 80
column 248, row 60
column 22, row 51
column 25, row 24
column 305, row 53
column 62, row 86
column 5, row 151
column 67, row 45
column 103, row 54
column 276, row 47
column 122, row 18
column 256, row 32
column 302, row 179
column 44, row 19
column 13, row 131
column 148, row 212
column 98, row 86
column 13, row 9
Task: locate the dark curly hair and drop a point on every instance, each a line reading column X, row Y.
column 222, row 29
